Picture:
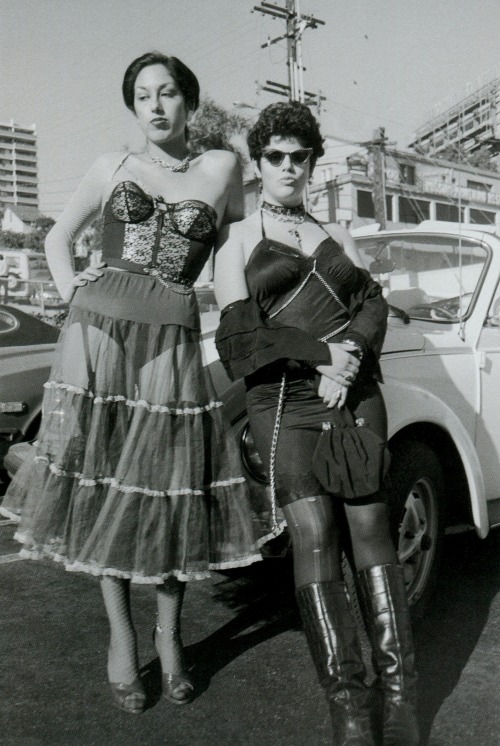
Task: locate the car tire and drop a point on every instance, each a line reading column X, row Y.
column 417, row 516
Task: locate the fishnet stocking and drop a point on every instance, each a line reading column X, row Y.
column 123, row 664
column 170, row 596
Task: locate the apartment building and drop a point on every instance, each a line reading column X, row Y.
column 18, row 166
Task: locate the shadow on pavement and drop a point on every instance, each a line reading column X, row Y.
column 263, row 598
column 447, row 636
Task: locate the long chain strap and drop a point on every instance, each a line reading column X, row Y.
column 330, row 289
column 274, row 446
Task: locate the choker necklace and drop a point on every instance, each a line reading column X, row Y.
column 180, row 167
column 296, row 215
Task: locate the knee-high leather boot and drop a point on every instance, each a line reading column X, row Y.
column 333, row 641
column 383, row 600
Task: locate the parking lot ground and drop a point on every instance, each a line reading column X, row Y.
column 256, row 681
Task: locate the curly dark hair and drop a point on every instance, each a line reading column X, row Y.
column 291, row 119
column 185, row 79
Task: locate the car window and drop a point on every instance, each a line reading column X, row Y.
column 493, row 318
column 8, row 322
column 435, row 278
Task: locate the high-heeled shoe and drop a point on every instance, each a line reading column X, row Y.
column 178, row 688
column 130, row 698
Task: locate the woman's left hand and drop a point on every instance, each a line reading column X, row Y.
column 90, row 274
column 332, row 393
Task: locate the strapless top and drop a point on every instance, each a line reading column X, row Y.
column 171, row 241
column 312, row 293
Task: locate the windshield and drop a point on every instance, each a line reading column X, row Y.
column 432, row 278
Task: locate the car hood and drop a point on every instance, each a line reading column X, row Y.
column 402, row 340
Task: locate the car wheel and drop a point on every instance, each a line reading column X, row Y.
column 417, row 514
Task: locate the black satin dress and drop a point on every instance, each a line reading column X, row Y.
column 317, row 295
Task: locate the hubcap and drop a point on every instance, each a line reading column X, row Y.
column 417, row 537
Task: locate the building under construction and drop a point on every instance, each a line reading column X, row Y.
column 470, row 123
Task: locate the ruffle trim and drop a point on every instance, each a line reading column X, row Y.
column 16, row 517
column 133, row 402
column 126, row 488
column 96, row 571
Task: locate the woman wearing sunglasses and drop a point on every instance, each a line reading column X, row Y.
column 305, row 326
column 136, row 477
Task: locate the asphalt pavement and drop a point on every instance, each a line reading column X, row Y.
column 255, row 679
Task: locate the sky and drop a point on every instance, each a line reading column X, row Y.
column 383, row 63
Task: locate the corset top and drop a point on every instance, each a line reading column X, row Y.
column 310, row 292
column 171, row 241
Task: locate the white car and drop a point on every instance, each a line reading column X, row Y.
column 441, row 368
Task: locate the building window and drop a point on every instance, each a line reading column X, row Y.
column 478, row 185
column 448, row 212
column 413, row 210
column 407, row 173
column 365, row 204
column 482, row 217
column 366, row 208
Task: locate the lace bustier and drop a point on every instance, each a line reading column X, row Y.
column 171, row 241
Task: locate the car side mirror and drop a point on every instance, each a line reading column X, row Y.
column 381, row 266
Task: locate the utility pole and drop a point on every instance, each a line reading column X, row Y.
column 377, row 146
column 296, row 24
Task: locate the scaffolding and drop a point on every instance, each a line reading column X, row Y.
column 471, row 123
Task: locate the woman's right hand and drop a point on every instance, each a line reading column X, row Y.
column 90, row 274
column 332, row 394
column 344, row 366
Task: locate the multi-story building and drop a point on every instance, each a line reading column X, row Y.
column 416, row 188
column 18, row 166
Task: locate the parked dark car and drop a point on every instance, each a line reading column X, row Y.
column 26, row 347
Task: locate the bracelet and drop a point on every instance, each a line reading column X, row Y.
column 358, row 350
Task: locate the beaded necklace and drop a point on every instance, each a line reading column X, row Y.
column 180, row 167
column 295, row 215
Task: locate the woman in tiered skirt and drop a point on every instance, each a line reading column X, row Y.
column 135, row 474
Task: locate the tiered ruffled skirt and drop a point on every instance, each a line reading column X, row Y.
column 135, row 473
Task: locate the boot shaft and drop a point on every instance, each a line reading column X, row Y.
column 382, row 596
column 383, row 600
column 333, row 641
column 332, row 635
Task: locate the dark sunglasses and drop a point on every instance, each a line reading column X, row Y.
column 297, row 157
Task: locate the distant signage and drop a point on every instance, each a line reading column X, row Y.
column 458, row 192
